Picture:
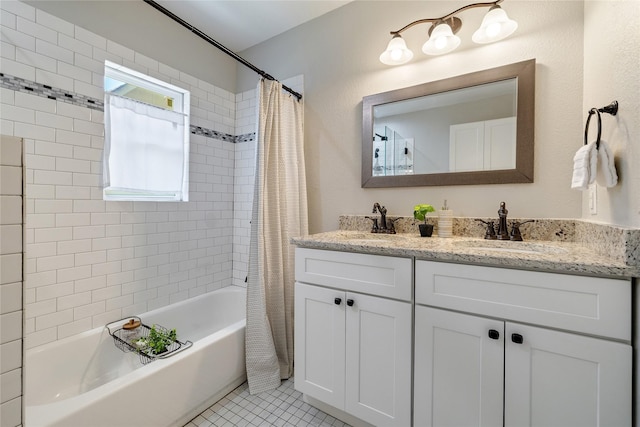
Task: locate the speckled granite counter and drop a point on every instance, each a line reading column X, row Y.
column 556, row 256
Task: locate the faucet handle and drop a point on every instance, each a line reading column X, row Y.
column 490, row 232
column 392, row 225
column 515, row 234
column 374, row 226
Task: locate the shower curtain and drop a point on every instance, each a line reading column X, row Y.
column 279, row 213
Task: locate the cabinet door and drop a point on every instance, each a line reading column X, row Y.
column 320, row 339
column 378, row 349
column 561, row 379
column 458, row 369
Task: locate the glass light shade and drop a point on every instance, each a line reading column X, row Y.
column 442, row 41
column 397, row 52
column 495, row 26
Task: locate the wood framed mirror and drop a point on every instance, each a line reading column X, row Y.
column 475, row 128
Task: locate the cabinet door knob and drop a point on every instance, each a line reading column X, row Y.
column 337, row 301
column 493, row 334
column 350, row 302
column 517, row 338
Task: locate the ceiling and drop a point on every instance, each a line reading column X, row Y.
column 240, row 24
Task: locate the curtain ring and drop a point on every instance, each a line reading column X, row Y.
column 586, row 128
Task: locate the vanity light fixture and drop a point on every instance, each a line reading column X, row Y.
column 441, row 39
column 397, row 52
column 495, row 26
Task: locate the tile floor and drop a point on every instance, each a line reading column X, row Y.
column 282, row 407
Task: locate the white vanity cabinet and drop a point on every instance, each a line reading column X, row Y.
column 543, row 349
column 353, row 328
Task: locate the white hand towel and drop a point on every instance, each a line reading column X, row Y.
column 585, row 164
column 606, row 175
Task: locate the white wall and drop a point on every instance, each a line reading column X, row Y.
column 338, row 54
column 612, row 72
column 89, row 262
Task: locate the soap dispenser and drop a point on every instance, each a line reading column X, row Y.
column 445, row 221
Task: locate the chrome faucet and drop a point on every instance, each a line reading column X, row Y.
column 382, row 226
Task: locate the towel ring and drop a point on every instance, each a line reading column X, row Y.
column 609, row 109
column 586, row 128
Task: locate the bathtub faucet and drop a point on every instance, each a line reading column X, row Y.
column 382, row 226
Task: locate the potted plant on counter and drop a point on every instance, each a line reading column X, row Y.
column 420, row 213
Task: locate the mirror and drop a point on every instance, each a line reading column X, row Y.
column 475, row 128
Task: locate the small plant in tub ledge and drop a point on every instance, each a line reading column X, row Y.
column 420, row 213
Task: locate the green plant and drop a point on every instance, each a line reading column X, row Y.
column 159, row 339
column 420, row 212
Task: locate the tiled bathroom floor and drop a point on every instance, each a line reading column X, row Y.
column 280, row 407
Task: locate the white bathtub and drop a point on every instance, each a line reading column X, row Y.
column 85, row 381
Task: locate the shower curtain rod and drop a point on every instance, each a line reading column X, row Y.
column 218, row 45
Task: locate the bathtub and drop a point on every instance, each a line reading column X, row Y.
column 85, row 381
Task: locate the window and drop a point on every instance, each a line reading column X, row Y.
column 146, row 149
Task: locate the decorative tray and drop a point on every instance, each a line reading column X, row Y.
column 151, row 343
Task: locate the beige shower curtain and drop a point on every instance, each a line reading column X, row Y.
column 279, row 213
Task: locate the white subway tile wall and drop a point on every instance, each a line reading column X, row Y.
column 243, row 182
column 10, row 281
column 89, row 262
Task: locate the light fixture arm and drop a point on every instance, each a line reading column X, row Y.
column 445, row 17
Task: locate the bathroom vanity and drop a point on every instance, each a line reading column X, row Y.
column 552, row 348
column 399, row 330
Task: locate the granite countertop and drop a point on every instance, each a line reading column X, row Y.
column 562, row 257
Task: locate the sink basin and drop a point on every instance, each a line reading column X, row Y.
column 511, row 247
